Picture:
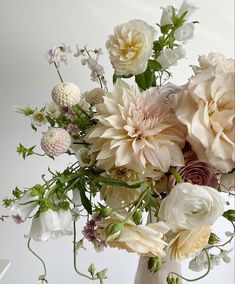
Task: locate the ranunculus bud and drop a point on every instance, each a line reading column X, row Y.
column 113, row 231
column 55, row 141
column 105, row 212
column 66, row 95
column 154, row 264
column 137, row 217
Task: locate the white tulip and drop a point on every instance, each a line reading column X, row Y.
column 190, row 206
column 170, row 56
column 184, row 32
column 186, row 6
column 24, row 210
column 167, row 13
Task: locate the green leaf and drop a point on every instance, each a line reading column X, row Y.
column 145, row 80
column 166, row 28
column 110, row 181
column 230, row 215
column 50, row 120
column 85, row 201
column 154, row 65
column 25, row 152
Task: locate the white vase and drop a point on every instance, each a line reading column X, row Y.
column 144, row 276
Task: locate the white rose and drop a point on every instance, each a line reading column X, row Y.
column 130, row 47
column 25, row 205
column 143, row 239
column 170, row 56
column 217, row 60
column 207, row 108
column 190, row 206
column 184, row 32
column 186, row 6
column 227, row 181
column 167, row 14
column 51, row 225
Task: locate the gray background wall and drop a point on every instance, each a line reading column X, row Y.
column 27, row 29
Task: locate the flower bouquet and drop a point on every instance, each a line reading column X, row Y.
column 151, row 160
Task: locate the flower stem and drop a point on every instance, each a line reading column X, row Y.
column 176, row 175
column 198, row 278
column 58, row 72
column 43, row 277
column 75, row 254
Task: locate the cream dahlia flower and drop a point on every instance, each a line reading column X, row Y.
column 207, row 108
column 142, row 239
column 138, row 131
column 117, row 196
column 188, row 243
column 131, row 47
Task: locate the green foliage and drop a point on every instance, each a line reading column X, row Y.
column 25, row 152
column 230, row 215
column 154, row 264
column 17, row 192
column 213, row 239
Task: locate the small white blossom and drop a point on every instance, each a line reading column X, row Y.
column 170, row 56
column 184, row 32
column 186, row 6
column 53, row 55
column 79, row 51
column 167, row 13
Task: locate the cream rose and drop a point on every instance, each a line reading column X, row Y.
column 130, row 47
column 207, row 108
column 142, row 239
column 190, row 206
column 188, row 243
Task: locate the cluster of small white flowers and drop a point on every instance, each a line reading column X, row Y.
column 182, row 34
column 200, row 262
column 58, row 54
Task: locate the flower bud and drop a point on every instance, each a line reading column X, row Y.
column 102, row 274
column 213, row 239
column 113, row 231
column 137, row 217
column 154, row 264
column 105, row 212
column 172, row 279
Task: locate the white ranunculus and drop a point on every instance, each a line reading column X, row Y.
column 142, row 239
column 130, row 47
column 51, row 225
column 170, row 56
column 167, row 13
column 186, row 6
column 207, row 108
column 227, row 181
column 24, row 210
column 184, row 32
column 217, row 60
column 190, row 206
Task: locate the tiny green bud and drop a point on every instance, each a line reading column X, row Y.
column 102, row 274
column 137, row 216
column 154, row 264
column 230, row 215
column 213, row 239
column 172, row 279
column 91, row 269
column 113, row 231
column 105, row 212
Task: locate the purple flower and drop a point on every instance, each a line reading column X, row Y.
column 17, row 219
